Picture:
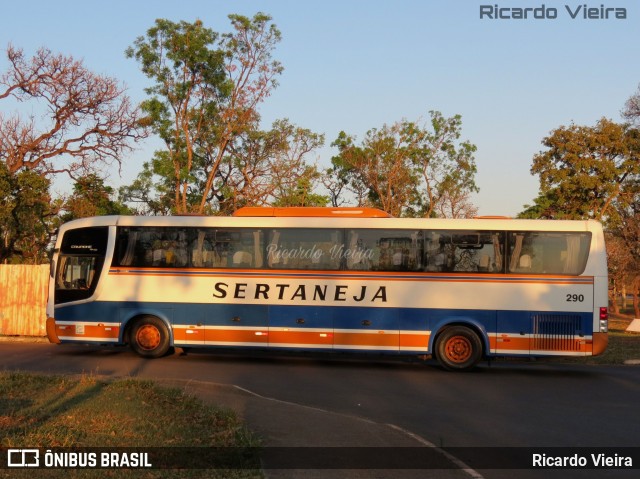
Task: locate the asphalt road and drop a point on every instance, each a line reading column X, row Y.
column 506, row 404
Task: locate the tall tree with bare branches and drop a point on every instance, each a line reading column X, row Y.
column 80, row 119
column 78, row 122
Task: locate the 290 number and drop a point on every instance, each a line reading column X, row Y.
column 575, row 298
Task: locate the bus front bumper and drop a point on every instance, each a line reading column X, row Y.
column 51, row 331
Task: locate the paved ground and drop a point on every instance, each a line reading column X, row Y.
column 282, row 424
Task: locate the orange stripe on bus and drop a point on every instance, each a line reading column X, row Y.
column 513, row 343
column 414, row 341
column 373, row 340
column 188, row 334
column 505, row 344
column 301, row 337
column 260, row 336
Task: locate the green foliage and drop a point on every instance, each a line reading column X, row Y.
column 545, row 206
column 406, row 169
column 206, row 91
column 190, row 83
column 300, row 192
column 91, row 197
column 27, row 216
column 270, row 167
column 588, row 172
column 152, row 196
column 593, row 172
column 188, row 73
column 381, row 168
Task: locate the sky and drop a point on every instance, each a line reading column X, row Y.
column 354, row 65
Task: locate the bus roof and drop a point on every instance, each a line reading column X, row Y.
column 336, row 221
column 312, row 211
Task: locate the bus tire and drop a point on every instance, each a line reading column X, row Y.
column 149, row 337
column 458, row 348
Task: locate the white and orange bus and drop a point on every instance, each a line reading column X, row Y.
column 332, row 279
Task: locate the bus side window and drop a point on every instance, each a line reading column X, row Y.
column 464, row 251
column 548, row 252
column 295, row 248
column 384, row 250
column 240, row 248
column 201, row 251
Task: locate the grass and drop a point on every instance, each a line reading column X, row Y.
column 56, row 411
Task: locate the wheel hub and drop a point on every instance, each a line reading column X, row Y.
column 458, row 349
column 148, row 337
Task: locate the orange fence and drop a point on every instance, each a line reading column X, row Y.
column 23, row 299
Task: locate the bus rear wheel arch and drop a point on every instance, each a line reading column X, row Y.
column 149, row 337
column 458, row 348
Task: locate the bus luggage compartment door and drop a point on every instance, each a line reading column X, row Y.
column 300, row 327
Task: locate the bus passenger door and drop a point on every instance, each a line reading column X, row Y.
column 300, row 327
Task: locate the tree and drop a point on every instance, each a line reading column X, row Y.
column 86, row 119
column 545, row 206
column 588, row 172
column 594, row 173
column 270, row 167
column 151, row 197
column 207, row 91
column 259, row 168
column 300, row 192
column 27, row 216
column 448, row 168
column 380, row 168
column 91, row 197
column 79, row 121
column 456, row 203
column 407, row 168
column 632, row 108
column 623, row 253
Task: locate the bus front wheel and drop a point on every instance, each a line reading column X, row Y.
column 149, row 337
column 458, row 348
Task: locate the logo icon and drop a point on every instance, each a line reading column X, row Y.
column 23, row 458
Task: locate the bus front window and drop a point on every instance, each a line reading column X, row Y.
column 77, row 272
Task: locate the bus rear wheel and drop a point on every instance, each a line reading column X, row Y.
column 149, row 337
column 458, row 348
